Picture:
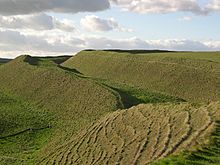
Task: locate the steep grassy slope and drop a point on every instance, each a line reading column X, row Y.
column 23, row 130
column 207, row 155
column 139, row 135
column 190, row 76
column 74, row 102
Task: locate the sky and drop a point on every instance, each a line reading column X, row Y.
column 55, row 27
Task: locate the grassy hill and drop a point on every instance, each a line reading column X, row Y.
column 194, row 77
column 139, row 135
column 73, row 102
column 111, row 107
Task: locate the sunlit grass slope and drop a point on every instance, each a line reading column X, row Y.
column 208, row 154
column 73, row 102
column 139, row 135
column 194, row 77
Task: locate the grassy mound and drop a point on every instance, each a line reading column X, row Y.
column 194, row 77
column 139, row 135
column 73, row 102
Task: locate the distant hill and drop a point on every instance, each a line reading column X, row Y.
column 4, row 60
column 191, row 76
column 132, row 51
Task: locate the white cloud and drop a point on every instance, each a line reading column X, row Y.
column 185, row 18
column 65, row 24
column 168, row 6
column 136, row 43
column 215, row 45
column 39, row 21
column 17, row 42
column 161, row 6
column 94, row 23
column 180, row 45
column 107, row 43
column 9, row 38
column 14, row 43
column 214, row 5
column 16, row 7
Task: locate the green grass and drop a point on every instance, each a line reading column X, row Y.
column 24, row 130
column 194, row 77
column 207, row 155
column 46, row 107
column 131, row 95
column 74, row 102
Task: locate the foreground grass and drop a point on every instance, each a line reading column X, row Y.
column 24, row 130
column 207, row 155
column 139, row 135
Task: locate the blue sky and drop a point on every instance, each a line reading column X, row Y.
column 72, row 25
column 158, row 26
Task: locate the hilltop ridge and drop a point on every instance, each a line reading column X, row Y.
column 187, row 75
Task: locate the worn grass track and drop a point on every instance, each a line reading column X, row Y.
column 208, row 154
column 139, row 135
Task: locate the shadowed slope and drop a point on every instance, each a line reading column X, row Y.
column 190, row 76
